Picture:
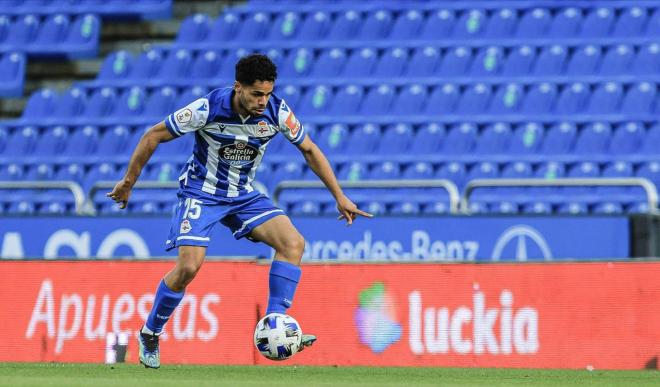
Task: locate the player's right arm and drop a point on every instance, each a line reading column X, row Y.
column 143, row 151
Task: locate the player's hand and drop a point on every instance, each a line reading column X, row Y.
column 121, row 193
column 349, row 211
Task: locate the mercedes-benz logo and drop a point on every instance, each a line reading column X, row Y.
column 522, row 234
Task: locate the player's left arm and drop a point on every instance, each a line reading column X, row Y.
column 320, row 165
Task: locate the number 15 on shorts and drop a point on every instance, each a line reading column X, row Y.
column 193, row 209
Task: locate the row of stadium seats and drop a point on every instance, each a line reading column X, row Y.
column 443, row 23
column 73, row 36
column 107, row 105
column 12, row 74
column 180, row 66
column 144, row 9
column 630, row 140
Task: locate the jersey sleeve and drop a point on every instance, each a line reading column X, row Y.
column 289, row 125
column 188, row 119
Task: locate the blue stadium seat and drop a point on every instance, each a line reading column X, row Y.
column 584, row 60
column 517, row 170
column 224, row 28
column 360, row 63
column 507, row 99
column 647, row 60
column 254, row 27
column 453, row 171
column 639, row 99
column 407, row 208
column 392, row 63
column 378, row 100
column 146, row 66
column 53, row 30
column 593, row 139
column 70, row 172
column 12, row 172
column 40, row 171
column 572, row 208
column 651, row 142
column 407, row 25
column 410, row 100
column 84, row 35
column 21, row 207
column 627, row 138
column 376, row 25
column 637, row 208
column 435, row 208
column 334, row 138
column 162, row 172
column 315, row 101
column 23, row 31
column 52, row 142
column 297, row 64
column 418, row 170
column 494, row 139
column 315, row 26
column 286, row 26
column 22, row 142
column 438, row 25
column 487, row 62
column 12, row 74
column 617, row 60
column 550, row 170
column 40, row 104
column 100, row 172
column 573, row 98
column 606, row 98
column 4, row 135
column 130, row 103
column 194, row 29
column 69, row 105
column 100, row 103
column 83, row 141
column 455, row 61
column 537, row 208
column 385, row 170
column 288, row 171
column 159, row 103
column 5, row 23
column 206, row 65
column 631, row 22
column 443, row 100
column 651, row 171
column 474, row 99
column 290, row 93
column 470, row 24
column 534, row 23
column 483, row 170
column 113, row 141
column 585, row 169
column 396, row 139
column 519, row 61
column 189, row 95
column 598, row 23
column 363, row 140
column 501, row 24
column 559, row 139
column 566, row 23
column 354, row 171
column 330, row 63
column 428, row 139
column 618, row 169
column 550, row 61
column 540, row 98
column 653, row 26
column 305, row 208
column 116, row 66
column 460, row 139
column 345, row 26
column 607, row 208
column 347, row 100
column 176, row 65
column 423, row 62
column 526, row 139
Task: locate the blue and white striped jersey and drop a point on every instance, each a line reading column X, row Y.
column 228, row 147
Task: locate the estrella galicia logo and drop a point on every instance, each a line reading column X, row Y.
column 238, row 154
column 376, row 319
column 521, row 242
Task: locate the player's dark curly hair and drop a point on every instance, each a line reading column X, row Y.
column 255, row 67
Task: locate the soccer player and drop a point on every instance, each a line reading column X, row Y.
column 232, row 127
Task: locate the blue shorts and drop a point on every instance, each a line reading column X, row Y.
column 194, row 219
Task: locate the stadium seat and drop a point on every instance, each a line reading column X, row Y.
column 585, row 169
column 631, row 22
column 39, row 105
column 606, row 98
column 12, row 172
column 146, row 66
column 423, row 62
column 12, row 74
column 428, row 139
column 206, row 65
column 305, row 208
column 470, row 24
column 474, row 99
column 297, row 64
column 598, row 22
column 647, row 60
column 4, row 135
column 345, row 26
column 83, row 36
column 651, row 142
column 360, row 63
column 223, row 28
column 189, row 95
column 392, row 63
column 627, row 138
column 83, row 141
column 537, row 208
column 501, row 24
column 460, row 139
column 290, row 93
column 396, row 140
column 526, row 139
column 116, row 66
column 159, row 103
column 453, row 171
column 22, row 142
column 607, row 208
column 376, row 25
column 333, row 139
column 315, row 101
column 363, row 140
column 407, row 25
column 455, row 62
column 52, row 142
column 253, row 28
column 176, row 65
column 573, row 98
column 572, row 208
column 100, row 103
column 534, row 23
column 347, row 100
column 639, row 99
column 617, row 60
column 113, row 141
column 286, row 26
column 70, row 172
column 443, row 100
column 418, row 170
column 540, row 98
column 507, row 99
column 70, row 105
column 566, row 23
column 404, row 208
column 100, row 172
column 315, row 26
column 494, row 139
column 40, row 171
column 23, row 31
column 551, row 60
column 438, row 25
column 593, row 139
column 130, row 103
column 385, row 170
column 559, row 139
column 354, row 171
column 584, row 61
column 53, row 30
column 330, row 63
column 519, row 61
column 650, row 170
column 21, row 207
column 653, row 25
column 410, row 100
column 487, row 62
column 378, row 100
column 194, row 29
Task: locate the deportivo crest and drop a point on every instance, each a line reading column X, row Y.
column 185, row 227
column 238, row 154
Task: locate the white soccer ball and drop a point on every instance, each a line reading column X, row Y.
column 278, row 336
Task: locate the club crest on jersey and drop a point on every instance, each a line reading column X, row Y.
column 263, row 127
column 238, row 154
column 184, row 116
column 185, row 227
column 292, row 123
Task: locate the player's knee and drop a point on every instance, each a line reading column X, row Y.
column 293, row 248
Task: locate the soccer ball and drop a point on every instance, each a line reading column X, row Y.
column 278, row 336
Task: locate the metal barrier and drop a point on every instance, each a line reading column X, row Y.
column 647, row 185
column 72, row 186
column 454, row 198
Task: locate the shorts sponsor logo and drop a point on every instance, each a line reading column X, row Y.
column 185, row 227
column 238, row 154
column 184, row 116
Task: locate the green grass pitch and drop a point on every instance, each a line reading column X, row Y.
column 98, row 375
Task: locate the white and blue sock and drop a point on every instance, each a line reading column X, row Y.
column 282, row 282
column 165, row 302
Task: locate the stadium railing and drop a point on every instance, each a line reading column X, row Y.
column 75, row 189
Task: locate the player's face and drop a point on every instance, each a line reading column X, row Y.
column 252, row 99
